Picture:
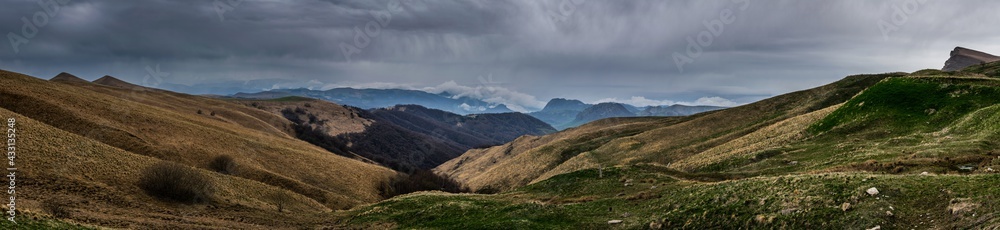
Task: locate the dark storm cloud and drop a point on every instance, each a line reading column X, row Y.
column 588, row 49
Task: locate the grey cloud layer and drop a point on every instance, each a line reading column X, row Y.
column 594, row 50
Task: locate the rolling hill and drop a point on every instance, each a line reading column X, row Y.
column 634, row 140
column 893, row 150
column 896, row 151
column 84, row 148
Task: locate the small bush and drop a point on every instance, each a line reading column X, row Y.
column 421, row 180
column 224, row 164
column 176, row 182
column 213, row 113
column 281, row 201
column 56, row 208
column 199, row 111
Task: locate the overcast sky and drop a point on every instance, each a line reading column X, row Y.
column 521, row 53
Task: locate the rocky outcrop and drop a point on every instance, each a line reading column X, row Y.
column 962, row 57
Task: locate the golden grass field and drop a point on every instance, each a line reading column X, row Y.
column 86, row 144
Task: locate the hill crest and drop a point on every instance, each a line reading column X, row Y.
column 108, row 80
column 67, row 77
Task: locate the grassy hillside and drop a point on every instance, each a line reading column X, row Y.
column 654, row 197
column 87, row 146
column 926, row 141
column 639, row 140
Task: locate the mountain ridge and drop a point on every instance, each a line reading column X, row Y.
column 382, row 98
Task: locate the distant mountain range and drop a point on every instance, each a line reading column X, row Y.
column 564, row 113
column 560, row 113
column 384, row 98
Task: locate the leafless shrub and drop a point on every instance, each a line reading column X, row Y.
column 224, row 164
column 176, row 182
column 56, row 207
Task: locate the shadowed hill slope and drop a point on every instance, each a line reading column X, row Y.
column 472, row 131
column 406, row 138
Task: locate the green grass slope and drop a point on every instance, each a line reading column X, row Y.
column 926, row 141
column 648, row 196
column 639, row 140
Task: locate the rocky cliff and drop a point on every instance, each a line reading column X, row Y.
column 963, row 57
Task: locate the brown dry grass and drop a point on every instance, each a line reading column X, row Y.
column 773, row 136
column 332, row 118
column 88, row 142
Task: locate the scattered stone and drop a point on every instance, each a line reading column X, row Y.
column 793, row 163
column 925, row 174
column 614, row 221
column 888, row 213
column 877, row 227
column 655, row 225
column 989, row 169
column 846, row 206
column 764, row 219
column 872, row 191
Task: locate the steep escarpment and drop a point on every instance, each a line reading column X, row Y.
column 963, row 57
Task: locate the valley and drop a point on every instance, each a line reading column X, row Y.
column 924, row 142
column 500, row 114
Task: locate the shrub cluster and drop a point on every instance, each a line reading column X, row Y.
column 224, row 164
column 176, row 182
column 421, row 180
